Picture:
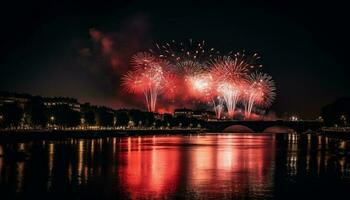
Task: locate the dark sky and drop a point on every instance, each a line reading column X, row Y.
column 46, row 46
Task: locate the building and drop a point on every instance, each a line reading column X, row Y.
column 9, row 98
column 56, row 101
column 203, row 114
column 198, row 114
column 183, row 112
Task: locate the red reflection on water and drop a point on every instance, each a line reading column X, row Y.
column 231, row 163
column 150, row 169
column 207, row 165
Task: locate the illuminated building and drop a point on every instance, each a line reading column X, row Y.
column 57, row 101
column 183, row 112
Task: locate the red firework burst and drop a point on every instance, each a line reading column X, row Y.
column 180, row 72
column 263, row 88
column 148, row 77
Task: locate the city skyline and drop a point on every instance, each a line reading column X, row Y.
column 47, row 56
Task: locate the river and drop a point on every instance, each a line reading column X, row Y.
column 206, row 166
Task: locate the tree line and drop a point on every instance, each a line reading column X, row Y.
column 35, row 114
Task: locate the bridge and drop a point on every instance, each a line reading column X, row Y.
column 278, row 126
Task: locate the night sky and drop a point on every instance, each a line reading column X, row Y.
column 49, row 47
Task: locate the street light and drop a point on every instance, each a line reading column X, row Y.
column 114, row 121
column 82, row 123
column 320, row 118
column 130, row 124
column 294, row 118
column 140, row 124
column 52, row 119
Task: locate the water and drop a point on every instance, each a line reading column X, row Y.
column 208, row 166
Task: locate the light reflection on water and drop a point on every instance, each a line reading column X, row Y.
column 187, row 167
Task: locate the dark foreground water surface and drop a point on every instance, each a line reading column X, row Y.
column 213, row 166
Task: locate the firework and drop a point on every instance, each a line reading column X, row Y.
column 147, row 76
column 218, row 105
column 142, row 59
column 189, row 59
column 201, row 83
column 172, row 86
column 260, row 91
column 230, row 73
column 184, row 51
column 249, row 62
column 132, row 82
column 188, row 68
column 200, row 86
column 186, row 71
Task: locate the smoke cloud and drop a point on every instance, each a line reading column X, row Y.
column 106, row 57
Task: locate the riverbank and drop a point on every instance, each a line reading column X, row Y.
column 27, row 135
column 21, row 135
column 337, row 132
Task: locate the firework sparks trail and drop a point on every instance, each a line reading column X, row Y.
column 230, row 73
column 261, row 91
column 147, row 77
column 184, row 51
column 201, row 86
column 218, row 107
column 230, row 95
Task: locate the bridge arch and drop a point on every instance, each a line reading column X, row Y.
column 238, row 129
column 279, row 129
